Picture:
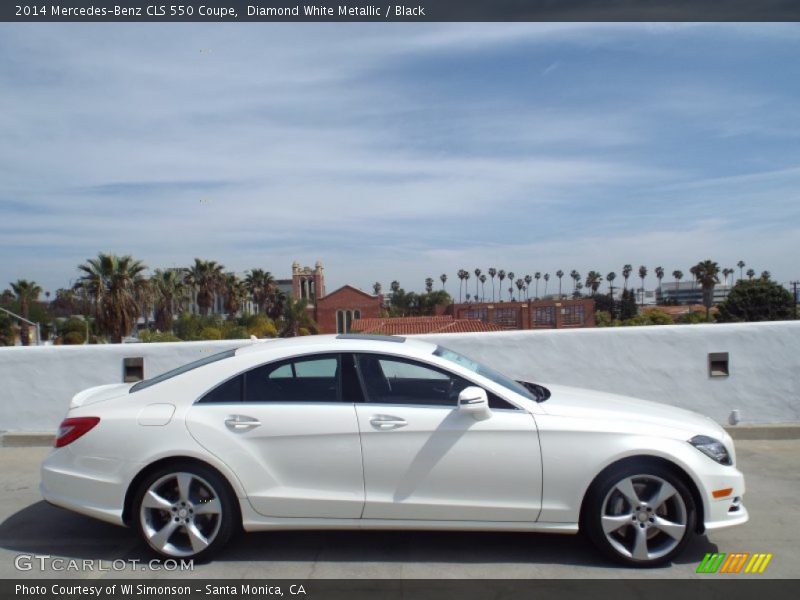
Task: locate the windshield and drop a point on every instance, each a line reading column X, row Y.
column 206, row 360
column 484, row 371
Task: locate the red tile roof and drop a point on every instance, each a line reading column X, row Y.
column 417, row 325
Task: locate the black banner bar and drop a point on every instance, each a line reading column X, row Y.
column 411, row 11
column 708, row 588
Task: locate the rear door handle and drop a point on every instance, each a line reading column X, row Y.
column 241, row 423
column 385, row 422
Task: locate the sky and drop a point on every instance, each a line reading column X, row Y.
column 399, row 151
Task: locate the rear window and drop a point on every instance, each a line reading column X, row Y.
column 206, row 360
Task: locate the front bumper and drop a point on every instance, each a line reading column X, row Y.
column 728, row 510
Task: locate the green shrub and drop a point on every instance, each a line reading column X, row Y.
column 73, row 338
column 210, row 333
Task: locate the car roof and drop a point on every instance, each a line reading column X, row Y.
column 341, row 342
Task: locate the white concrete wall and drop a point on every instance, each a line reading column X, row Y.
column 667, row 364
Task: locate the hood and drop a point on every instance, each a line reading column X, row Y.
column 99, row 393
column 576, row 402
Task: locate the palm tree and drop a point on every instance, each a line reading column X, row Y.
column 492, row 272
column 593, row 281
column 261, row 286
column 626, row 272
column 483, row 287
column 466, row 280
column 528, row 280
column 206, row 278
column 659, row 275
column 511, row 286
column 741, row 266
column 610, row 278
column 112, row 283
column 235, row 292
column 537, row 276
column 443, row 278
column 520, row 283
column 765, row 275
column 461, row 274
column 576, row 277
column 642, row 275
column 477, row 281
column 559, row 274
column 750, row 273
column 707, row 273
column 678, row 275
column 429, row 284
column 27, row 292
column 377, row 287
column 501, row 275
column 726, row 272
column 169, row 292
column 296, row 317
column 146, row 297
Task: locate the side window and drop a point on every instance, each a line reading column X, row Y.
column 309, row 379
column 391, row 380
column 228, row 391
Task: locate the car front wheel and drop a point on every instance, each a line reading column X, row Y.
column 642, row 515
column 185, row 511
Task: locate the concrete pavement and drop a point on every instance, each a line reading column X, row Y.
column 29, row 527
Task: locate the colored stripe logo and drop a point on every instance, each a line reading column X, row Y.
column 735, row 562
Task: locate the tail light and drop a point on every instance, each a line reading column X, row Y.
column 71, row 429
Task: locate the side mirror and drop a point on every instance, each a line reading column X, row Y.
column 474, row 400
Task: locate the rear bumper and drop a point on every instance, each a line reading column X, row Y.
column 90, row 486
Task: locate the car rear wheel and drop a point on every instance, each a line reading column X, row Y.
column 185, row 511
column 641, row 515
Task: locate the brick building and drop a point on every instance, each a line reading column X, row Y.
column 532, row 314
column 419, row 325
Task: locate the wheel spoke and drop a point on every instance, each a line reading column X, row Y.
column 674, row 530
column 197, row 539
column 665, row 492
column 612, row 523
column 153, row 500
column 212, row 507
column 184, row 485
column 625, row 487
column 160, row 539
column 640, row 544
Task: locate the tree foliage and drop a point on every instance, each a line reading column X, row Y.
column 756, row 300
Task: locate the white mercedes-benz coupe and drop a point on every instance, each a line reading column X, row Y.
column 379, row 432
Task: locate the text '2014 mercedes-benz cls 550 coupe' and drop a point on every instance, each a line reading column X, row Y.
column 348, row 431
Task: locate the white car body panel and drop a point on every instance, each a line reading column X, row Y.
column 316, row 466
column 303, row 461
column 447, row 465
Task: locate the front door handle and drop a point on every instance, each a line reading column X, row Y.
column 241, row 423
column 385, row 422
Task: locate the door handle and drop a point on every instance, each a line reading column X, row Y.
column 241, row 423
column 385, row 422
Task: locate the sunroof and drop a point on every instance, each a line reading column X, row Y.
column 368, row 336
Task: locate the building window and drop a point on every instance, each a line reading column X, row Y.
column 572, row 315
column 357, row 314
column 507, row 317
column 344, row 320
column 339, row 322
column 481, row 314
column 544, row 316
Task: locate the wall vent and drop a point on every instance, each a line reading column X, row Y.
column 718, row 364
column 132, row 369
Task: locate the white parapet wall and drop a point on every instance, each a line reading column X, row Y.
column 663, row 363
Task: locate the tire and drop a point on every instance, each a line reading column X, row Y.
column 185, row 511
column 640, row 514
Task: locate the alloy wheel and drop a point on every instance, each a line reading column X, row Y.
column 644, row 517
column 180, row 514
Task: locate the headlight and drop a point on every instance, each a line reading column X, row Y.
column 712, row 448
